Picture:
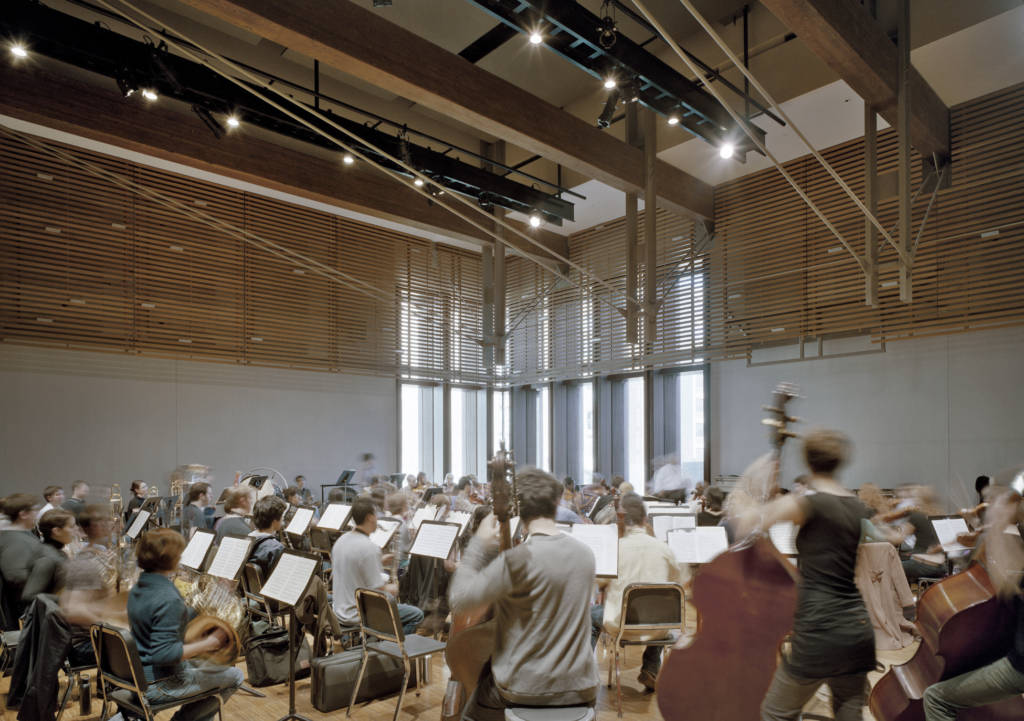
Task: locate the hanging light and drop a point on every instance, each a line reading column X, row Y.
column 535, row 220
column 348, row 159
column 536, row 38
column 19, row 51
column 726, row 151
column 233, row 121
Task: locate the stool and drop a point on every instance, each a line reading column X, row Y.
column 550, row 713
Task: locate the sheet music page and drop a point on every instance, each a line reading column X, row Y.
column 229, row 557
column 603, row 540
column 783, row 535
column 334, row 515
column 671, row 511
column 386, row 528
column 195, row 552
column 697, row 545
column 427, row 513
column 434, row 539
column 300, row 521
column 289, row 578
column 947, row 529
column 461, row 517
column 140, row 521
column 663, row 524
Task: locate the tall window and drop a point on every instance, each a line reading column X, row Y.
column 501, row 419
column 421, row 424
column 469, row 432
column 587, row 431
column 691, row 425
column 544, row 428
column 636, row 461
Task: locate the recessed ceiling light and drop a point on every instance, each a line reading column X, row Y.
column 149, row 94
column 534, row 221
column 536, row 38
column 348, row 159
column 673, row 120
column 418, row 183
column 19, row 51
column 726, row 151
column 610, row 83
column 233, row 122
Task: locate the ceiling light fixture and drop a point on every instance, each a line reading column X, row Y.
column 347, row 159
column 418, row 183
column 19, row 51
column 149, row 94
column 610, row 83
column 233, row 121
column 536, row 38
column 673, row 120
column 535, row 221
column 605, row 118
column 726, row 150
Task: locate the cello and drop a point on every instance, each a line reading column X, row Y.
column 745, row 598
column 471, row 638
column 963, row 625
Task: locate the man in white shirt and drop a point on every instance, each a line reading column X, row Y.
column 54, row 497
column 356, row 563
column 642, row 559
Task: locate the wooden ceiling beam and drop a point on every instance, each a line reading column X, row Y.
column 38, row 95
column 368, row 47
column 854, row 45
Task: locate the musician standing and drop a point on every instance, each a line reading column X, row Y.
column 237, row 506
column 1003, row 678
column 158, row 617
column 833, row 641
column 642, row 559
column 540, row 591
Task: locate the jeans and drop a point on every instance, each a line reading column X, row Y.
column 788, row 694
column 979, row 687
column 410, row 618
column 191, row 680
column 652, row 654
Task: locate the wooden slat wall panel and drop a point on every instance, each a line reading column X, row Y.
column 89, row 264
column 783, row 275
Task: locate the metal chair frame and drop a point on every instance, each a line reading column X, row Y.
column 393, row 634
column 73, row 674
column 626, row 629
column 136, row 683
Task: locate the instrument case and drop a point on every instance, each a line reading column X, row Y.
column 334, row 676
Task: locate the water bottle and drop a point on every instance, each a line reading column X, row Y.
column 84, row 696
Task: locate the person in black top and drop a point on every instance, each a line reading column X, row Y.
column 47, row 575
column 139, row 490
column 76, row 504
column 832, row 641
column 1003, row 678
column 712, row 514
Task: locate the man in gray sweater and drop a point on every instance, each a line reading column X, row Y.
column 540, row 591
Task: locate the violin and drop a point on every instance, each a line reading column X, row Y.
column 745, row 598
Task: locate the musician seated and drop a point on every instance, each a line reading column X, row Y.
column 267, row 516
column 398, row 507
column 19, row 547
column 926, row 558
column 58, row 529
column 712, row 514
column 237, row 505
column 305, row 495
column 356, row 563
column 463, row 499
column 158, row 617
column 88, row 584
column 1003, row 678
column 642, row 559
column 194, row 514
column 540, row 591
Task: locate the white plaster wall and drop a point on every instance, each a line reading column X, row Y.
column 935, row 410
column 112, row 418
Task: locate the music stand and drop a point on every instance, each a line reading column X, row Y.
column 343, row 481
column 293, row 570
column 138, row 523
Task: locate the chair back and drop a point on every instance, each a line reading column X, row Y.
column 252, row 579
column 652, row 607
column 117, row 658
column 378, row 615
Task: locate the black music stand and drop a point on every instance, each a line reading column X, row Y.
column 293, row 569
column 344, row 482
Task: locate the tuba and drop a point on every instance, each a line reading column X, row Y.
column 219, row 608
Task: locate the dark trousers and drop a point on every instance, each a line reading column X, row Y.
column 789, row 693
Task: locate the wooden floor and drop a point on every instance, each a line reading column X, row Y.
column 636, row 704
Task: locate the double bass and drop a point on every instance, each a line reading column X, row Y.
column 471, row 638
column 963, row 626
column 745, row 599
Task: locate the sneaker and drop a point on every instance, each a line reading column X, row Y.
column 648, row 679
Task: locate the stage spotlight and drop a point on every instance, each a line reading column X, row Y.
column 534, row 220
column 536, row 38
column 19, row 51
column 233, row 121
column 725, row 152
column 605, row 118
column 418, row 183
column 673, row 120
column 610, row 83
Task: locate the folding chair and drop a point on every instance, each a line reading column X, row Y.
column 118, row 663
column 378, row 620
column 648, row 610
column 256, row 603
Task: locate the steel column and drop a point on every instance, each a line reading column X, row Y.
column 650, row 229
column 903, row 131
column 632, row 262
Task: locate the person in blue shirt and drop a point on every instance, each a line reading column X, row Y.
column 158, row 616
